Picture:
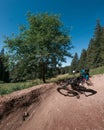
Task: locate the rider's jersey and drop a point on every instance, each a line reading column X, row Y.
column 84, row 74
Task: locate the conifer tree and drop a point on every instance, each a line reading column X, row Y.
column 91, row 53
column 95, row 51
column 82, row 60
column 97, row 43
column 75, row 62
column 102, row 47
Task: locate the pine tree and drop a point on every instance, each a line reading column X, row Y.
column 83, row 59
column 102, row 47
column 95, row 51
column 91, row 53
column 75, row 62
column 97, row 43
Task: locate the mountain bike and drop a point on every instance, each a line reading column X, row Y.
column 66, row 89
column 76, row 87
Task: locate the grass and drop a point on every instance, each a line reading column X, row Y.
column 59, row 77
column 96, row 71
column 6, row 88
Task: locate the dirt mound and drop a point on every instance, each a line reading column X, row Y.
column 17, row 107
column 44, row 108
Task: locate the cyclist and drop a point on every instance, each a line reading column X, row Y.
column 84, row 73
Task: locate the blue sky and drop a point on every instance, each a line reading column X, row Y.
column 77, row 15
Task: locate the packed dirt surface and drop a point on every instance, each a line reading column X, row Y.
column 44, row 108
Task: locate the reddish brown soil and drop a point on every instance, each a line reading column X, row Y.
column 49, row 110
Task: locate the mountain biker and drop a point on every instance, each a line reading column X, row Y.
column 84, row 73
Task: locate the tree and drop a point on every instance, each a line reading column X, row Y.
column 82, row 60
column 1, row 67
column 97, row 43
column 75, row 62
column 95, row 51
column 4, row 73
column 91, row 54
column 40, row 46
column 102, row 47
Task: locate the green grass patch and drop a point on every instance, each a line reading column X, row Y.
column 59, row 77
column 96, row 71
column 6, row 88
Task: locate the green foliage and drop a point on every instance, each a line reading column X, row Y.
column 75, row 62
column 83, row 58
column 4, row 72
column 6, row 88
column 39, row 47
column 94, row 56
column 4, row 91
column 90, row 53
column 95, row 53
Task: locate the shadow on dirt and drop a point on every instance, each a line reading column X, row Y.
column 76, row 91
column 67, row 92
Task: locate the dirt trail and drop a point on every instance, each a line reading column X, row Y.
column 57, row 112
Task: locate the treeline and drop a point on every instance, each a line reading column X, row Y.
column 93, row 56
column 39, row 50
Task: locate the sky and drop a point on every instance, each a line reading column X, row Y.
column 78, row 16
